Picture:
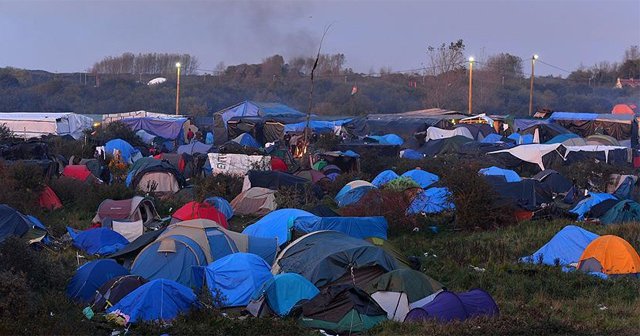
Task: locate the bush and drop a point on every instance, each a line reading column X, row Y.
column 590, row 175
column 117, row 130
column 14, row 295
column 86, row 197
column 390, row 204
column 296, row 197
column 225, row 186
column 21, row 185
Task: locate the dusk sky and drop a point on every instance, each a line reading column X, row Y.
column 69, row 36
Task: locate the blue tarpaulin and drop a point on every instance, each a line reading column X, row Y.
column 573, row 116
column 317, row 126
column 168, row 128
column 432, row 200
column 277, row 224
column 411, row 154
column 157, row 300
column 221, row 204
column 422, row 177
column 384, row 177
column 387, row 139
column 564, row 248
column 259, row 109
column 284, row 291
column 358, row 227
column 509, row 175
column 12, row 222
column 90, row 276
column 560, row 138
column 98, row 241
column 521, row 139
column 236, row 277
column 492, row 138
column 126, row 150
column 586, row 204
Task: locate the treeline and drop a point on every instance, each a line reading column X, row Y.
column 500, row 86
column 148, row 64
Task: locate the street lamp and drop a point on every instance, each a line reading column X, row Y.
column 471, row 61
column 178, row 90
column 533, row 62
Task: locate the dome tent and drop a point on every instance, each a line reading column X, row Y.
column 90, row 276
column 115, row 289
column 222, row 205
column 564, row 248
column 284, row 291
column 610, row 255
column 384, row 177
column 448, row 306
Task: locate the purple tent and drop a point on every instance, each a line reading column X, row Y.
column 448, row 306
column 168, row 128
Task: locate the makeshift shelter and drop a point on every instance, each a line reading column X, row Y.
column 195, row 242
column 339, row 162
column 610, row 255
column 255, row 109
column 448, row 306
column 387, row 139
column 543, row 156
column 157, row 300
column 222, row 205
column 36, row 124
column 553, row 181
column 584, row 206
column 283, row 292
column 544, row 132
column 622, row 109
column 624, row 211
column 254, row 201
column 357, row 227
column 98, row 241
column 619, row 126
column 195, row 210
column 90, row 276
column 528, row 194
column 127, row 152
column 411, row 154
column 434, row 133
column 235, row 277
column 398, row 291
column 276, row 224
column 432, row 200
column 80, row 173
column 384, row 177
column 566, row 138
column 194, row 148
column 422, row 177
column 311, row 175
column 115, row 289
column 478, row 131
column 245, row 139
column 151, row 175
column 443, row 146
column 622, row 186
column 564, row 248
column 616, row 155
column 324, row 257
column 342, row 309
column 14, row 223
column 166, row 128
column 352, row 192
column 509, row 175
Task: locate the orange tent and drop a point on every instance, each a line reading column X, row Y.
column 610, row 255
column 622, row 109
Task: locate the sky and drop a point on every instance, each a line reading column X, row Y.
column 70, row 36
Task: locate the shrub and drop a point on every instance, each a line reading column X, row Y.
column 390, row 204
column 117, row 130
column 86, row 197
column 590, row 175
column 401, row 184
column 225, row 186
column 21, row 186
column 14, row 295
column 296, row 197
column 328, row 142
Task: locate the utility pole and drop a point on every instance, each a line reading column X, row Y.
column 471, row 60
column 533, row 62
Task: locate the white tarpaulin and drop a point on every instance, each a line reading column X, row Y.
column 434, row 133
column 532, row 153
column 237, row 164
column 29, row 125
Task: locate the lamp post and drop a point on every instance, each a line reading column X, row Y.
column 471, row 60
column 533, row 62
column 178, row 90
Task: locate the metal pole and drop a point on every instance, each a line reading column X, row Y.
column 533, row 62
column 470, row 86
column 178, row 93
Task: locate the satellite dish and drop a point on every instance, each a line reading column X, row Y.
column 157, row 81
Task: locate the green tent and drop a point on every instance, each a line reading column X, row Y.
column 415, row 284
column 623, row 212
column 342, row 309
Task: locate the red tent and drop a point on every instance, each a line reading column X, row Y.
column 623, row 109
column 49, row 200
column 278, row 164
column 193, row 210
column 77, row 172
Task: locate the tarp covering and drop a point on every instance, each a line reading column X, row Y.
column 235, row 277
column 285, row 291
column 90, row 276
column 317, row 126
column 383, row 177
column 564, row 248
column 592, row 148
column 245, row 139
column 583, row 207
column 193, row 148
column 276, row 224
column 275, row 180
column 422, row 177
column 168, row 128
column 618, row 126
column 432, row 200
column 324, row 257
column 36, row 124
column 624, row 212
column 509, row 175
column 12, row 222
column 252, row 108
column 533, row 153
column 128, row 153
column 387, row 139
column 237, row 164
column 358, row 227
column 157, row 300
column 98, row 241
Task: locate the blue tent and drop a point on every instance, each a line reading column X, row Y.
column 259, row 109
column 276, row 224
column 126, row 150
column 38, row 225
column 565, row 247
column 222, row 205
column 509, row 175
column 90, row 276
column 98, row 241
column 317, row 126
column 193, row 148
column 411, row 154
column 387, row 139
column 156, row 300
column 12, row 222
column 586, row 204
column 625, row 211
column 384, row 177
column 358, row 227
column 492, row 138
column 245, row 139
column 560, row 138
column 352, row 192
column 521, row 139
column 170, row 258
column 423, row 178
column 236, row 277
column 432, row 200
column 284, row 291
column 625, row 188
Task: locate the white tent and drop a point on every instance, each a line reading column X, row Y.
column 29, row 125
